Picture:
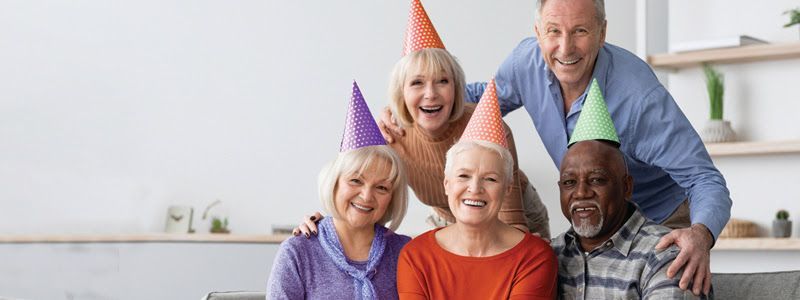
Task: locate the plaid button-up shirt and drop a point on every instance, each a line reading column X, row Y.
column 627, row 266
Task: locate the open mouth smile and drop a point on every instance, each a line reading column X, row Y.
column 361, row 207
column 474, row 203
column 431, row 109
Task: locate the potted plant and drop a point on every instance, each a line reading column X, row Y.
column 782, row 226
column 794, row 17
column 716, row 130
column 219, row 225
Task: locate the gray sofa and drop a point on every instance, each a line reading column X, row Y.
column 769, row 285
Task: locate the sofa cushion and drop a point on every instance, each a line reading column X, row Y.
column 237, row 295
column 772, row 285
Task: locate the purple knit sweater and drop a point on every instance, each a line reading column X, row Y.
column 302, row 270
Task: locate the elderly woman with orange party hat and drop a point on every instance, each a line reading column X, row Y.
column 479, row 256
column 426, row 90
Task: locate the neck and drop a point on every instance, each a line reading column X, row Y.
column 437, row 133
column 474, row 241
column 589, row 244
column 356, row 241
column 571, row 93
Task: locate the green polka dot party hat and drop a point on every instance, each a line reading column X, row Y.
column 594, row 123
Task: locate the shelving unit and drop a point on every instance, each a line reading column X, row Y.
column 726, row 55
column 144, row 238
column 754, row 148
column 757, row 244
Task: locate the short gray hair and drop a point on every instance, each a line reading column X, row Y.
column 356, row 161
column 599, row 10
column 461, row 146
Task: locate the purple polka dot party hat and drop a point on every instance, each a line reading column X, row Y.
column 360, row 129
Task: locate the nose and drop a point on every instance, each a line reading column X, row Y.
column 583, row 190
column 567, row 43
column 430, row 91
column 366, row 194
column 474, row 186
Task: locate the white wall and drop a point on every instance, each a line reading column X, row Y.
column 112, row 111
column 761, row 103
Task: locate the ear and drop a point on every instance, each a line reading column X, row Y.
column 536, row 30
column 603, row 28
column 446, row 184
column 628, row 187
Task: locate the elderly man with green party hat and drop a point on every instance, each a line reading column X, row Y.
column 609, row 252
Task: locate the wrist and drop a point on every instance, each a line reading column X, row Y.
column 703, row 229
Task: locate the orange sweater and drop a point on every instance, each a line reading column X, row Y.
column 424, row 158
column 425, row 270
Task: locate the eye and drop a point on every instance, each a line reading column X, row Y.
column 415, row 82
column 355, row 181
column 581, row 31
column 567, row 182
column 464, row 176
column 384, row 188
column 491, row 179
column 553, row 31
column 444, row 81
column 597, row 180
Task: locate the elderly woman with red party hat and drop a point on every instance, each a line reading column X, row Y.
column 479, row 256
column 354, row 256
column 426, row 90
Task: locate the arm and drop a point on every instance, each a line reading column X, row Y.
column 285, row 281
column 512, row 212
column 409, row 284
column 659, row 124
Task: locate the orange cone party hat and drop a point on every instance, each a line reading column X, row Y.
column 420, row 33
column 486, row 123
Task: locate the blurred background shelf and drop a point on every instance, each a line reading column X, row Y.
column 754, row 148
column 742, row 54
column 757, row 244
column 143, row 238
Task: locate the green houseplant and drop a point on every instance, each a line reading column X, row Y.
column 794, row 17
column 782, row 226
column 717, row 130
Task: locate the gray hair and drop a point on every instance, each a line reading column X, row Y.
column 355, row 162
column 461, row 146
column 599, row 10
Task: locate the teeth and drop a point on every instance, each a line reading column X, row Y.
column 568, row 62
column 361, row 207
column 477, row 203
column 430, row 109
column 586, row 208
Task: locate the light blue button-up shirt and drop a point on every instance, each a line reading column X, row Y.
column 665, row 155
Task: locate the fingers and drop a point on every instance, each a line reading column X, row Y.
column 385, row 132
column 677, row 264
column 699, row 281
column 317, row 217
column 688, row 275
column 309, row 226
column 389, row 123
column 665, row 241
column 707, row 282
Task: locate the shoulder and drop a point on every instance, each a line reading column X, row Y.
column 421, row 244
column 529, row 46
column 298, row 244
column 627, row 73
column 395, row 240
column 534, row 245
column 646, row 239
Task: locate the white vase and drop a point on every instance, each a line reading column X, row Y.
column 718, row 131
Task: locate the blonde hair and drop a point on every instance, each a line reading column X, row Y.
column 356, row 161
column 432, row 61
column 461, row 146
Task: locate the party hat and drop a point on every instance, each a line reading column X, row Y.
column 420, row 33
column 486, row 123
column 594, row 123
column 360, row 129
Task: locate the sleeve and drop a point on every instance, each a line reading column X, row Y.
column 504, row 79
column 666, row 139
column 285, row 281
column 409, row 282
column 512, row 211
column 538, row 278
column 656, row 284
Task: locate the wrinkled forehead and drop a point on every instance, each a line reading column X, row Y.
column 589, row 155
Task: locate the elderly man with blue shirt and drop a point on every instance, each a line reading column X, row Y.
column 675, row 182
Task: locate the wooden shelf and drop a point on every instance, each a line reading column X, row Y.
column 753, row 148
column 726, row 55
column 757, row 244
column 144, row 238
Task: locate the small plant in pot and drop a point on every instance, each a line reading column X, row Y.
column 794, row 17
column 219, row 225
column 716, row 130
column 782, row 226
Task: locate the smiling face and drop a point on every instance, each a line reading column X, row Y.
column 570, row 36
column 595, row 188
column 361, row 198
column 476, row 185
column 429, row 99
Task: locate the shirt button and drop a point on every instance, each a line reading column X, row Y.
column 608, row 244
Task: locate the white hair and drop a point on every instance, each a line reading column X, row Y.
column 599, row 10
column 461, row 146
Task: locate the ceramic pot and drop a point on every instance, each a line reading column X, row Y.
column 717, row 131
column 781, row 228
